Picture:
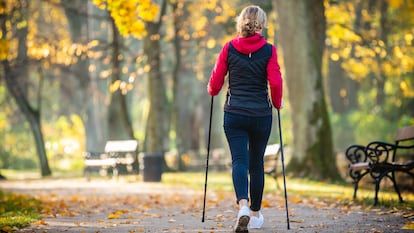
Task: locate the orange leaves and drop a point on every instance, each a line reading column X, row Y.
column 265, row 204
column 41, row 222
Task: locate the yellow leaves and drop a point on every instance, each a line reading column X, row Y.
column 121, row 85
column 7, row 229
column 339, row 34
column 404, row 61
column 337, row 14
column 67, row 213
column 113, row 216
column 395, row 3
column 21, row 24
column 114, row 86
column 3, row 8
column 335, row 57
column 117, row 214
column 147, row 10
column 408, row 38
column 408, row 226
column 358, row 69
column 407, row 88
column 200, row 23
column 130, row 15
column 39, row 51
column 4, row 49
column 211, row 43
column 369, row 55
column 100, row 4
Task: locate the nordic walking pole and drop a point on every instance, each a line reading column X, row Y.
column 208, row 155
column 283, row 169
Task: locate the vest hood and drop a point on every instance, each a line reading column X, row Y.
column 249, row 44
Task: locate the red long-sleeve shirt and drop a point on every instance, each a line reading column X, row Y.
column 248, row 45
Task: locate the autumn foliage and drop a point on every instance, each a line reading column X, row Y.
column 130, row 16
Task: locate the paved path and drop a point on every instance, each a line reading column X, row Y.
column 115, row 206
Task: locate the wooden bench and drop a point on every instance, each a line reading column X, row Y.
column 117, row 154
column 379, row 160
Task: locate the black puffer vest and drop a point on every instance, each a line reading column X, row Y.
column 248, row 93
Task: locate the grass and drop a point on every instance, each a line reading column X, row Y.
column 17, row 210
column 339, row 193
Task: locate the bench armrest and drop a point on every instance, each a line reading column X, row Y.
column 382, row 152
column 356, row 154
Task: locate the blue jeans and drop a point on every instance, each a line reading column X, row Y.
column 247, row 138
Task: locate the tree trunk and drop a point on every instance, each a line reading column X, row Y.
column 179, row 13
column 157, row 136
column 96, row 120
column 17, row 80
column 302, row 35
column 384, row 31
column 186, row 117
column 337, row 86
column 81, row 93
column 119, row 122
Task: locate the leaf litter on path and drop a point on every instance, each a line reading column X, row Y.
column 113, row 206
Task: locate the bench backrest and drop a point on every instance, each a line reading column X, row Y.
column 121, row 146
column 272, row 149
column 404, row 134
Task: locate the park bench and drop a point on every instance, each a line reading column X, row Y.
column 271, row 157
column 379, row 159
column 116, row 155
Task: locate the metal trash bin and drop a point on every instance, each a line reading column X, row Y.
column 152, row 167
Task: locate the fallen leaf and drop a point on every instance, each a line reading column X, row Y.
column 7, row 229
column 265, row 203
column 408, row 215
column 42, row 222
column 113, row 216
column 298, row 221
column 408, row 226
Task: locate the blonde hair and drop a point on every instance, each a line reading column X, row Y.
column 252, row 19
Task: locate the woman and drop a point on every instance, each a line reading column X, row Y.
column 252, row 65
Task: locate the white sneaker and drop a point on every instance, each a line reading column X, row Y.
column 256, row 222
column 243, row 218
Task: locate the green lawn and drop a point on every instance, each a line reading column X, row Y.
column 17, row 210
